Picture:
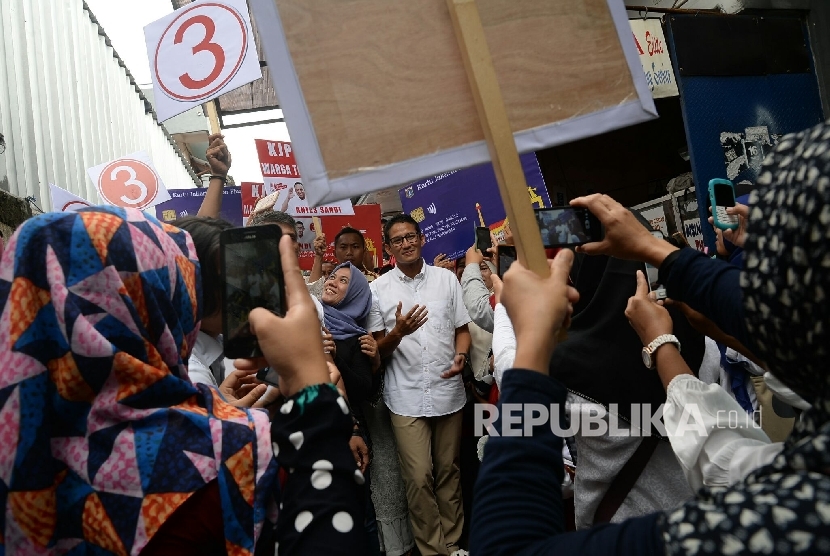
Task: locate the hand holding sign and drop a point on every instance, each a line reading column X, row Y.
column 129, row 182
column 200, row 52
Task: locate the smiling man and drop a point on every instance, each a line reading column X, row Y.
column 420, row 323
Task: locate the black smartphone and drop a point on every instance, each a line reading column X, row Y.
column 653, row 274
column 483, row 241
column 567, row 226
column 252, row 273
column 268, row 376
column 507, row 255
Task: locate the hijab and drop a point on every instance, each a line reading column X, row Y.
column 347, row 319
column 103, row 434
column 783, row 507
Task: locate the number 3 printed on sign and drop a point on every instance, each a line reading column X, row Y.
column 138, row 190
column 200, row 51
column 205, row 45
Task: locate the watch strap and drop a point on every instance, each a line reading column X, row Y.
column 660, row 340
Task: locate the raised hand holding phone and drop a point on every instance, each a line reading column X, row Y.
column 291, row 345
column 722, row 198
column 625, row 237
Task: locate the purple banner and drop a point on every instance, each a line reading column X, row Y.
column 186, row 202
column 449, row 206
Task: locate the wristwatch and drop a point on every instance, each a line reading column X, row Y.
column 649, row 350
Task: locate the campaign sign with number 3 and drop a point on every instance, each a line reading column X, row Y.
column 129, row 182
column 199, row 52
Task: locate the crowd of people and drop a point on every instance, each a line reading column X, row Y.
column 125, row 430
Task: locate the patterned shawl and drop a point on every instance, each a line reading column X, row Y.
column 784, row 507
column 102, row 434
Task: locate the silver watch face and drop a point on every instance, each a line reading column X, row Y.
column 646, row 358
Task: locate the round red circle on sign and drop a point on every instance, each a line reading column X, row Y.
column 74, row 205
column 128, row 183
column 209, row 88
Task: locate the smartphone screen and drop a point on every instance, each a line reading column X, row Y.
column 252, row 278
column 653, row 274
column 507, row 255
column 724, row 195
column 483, row 241
column 268, row 376
column 567, row 226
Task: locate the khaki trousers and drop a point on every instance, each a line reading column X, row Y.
column 428, row 448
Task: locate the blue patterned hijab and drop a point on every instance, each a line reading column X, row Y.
column 347, row 319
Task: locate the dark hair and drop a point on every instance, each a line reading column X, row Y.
column 205, row 232
column 399, row 219
column 349, row 230
column 272, row 217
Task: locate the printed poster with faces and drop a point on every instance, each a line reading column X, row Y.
column 200, row 52
column 282, row 177
column 129, row 182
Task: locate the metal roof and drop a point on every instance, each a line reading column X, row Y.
column 68, row 102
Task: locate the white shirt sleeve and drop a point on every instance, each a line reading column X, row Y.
column 374, row 323
column 460, row 315
column 504, row 343
column 199, row 373
column 712, row 450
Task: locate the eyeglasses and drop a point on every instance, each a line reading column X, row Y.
column 398, row 241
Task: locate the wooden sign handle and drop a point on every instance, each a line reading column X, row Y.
column 213, row 117
column 499, row 135
column 318, row 226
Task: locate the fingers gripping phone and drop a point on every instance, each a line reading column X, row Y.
column 252, row 277
column 567, row 226
column 722, row 196
column 483, row 241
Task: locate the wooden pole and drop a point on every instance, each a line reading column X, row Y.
column 318, row 226
column 499, row 135
column 213, row 117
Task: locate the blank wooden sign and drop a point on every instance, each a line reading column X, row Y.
column 375, row 92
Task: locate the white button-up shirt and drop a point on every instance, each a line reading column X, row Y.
column 413, row 384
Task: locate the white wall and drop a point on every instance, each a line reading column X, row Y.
column 67, row 103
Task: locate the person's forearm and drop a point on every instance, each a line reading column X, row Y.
column 711, row 287
column 315, row 424
column 389, row 343
column 477, row 298
column 316, row 268
column 212, row 203
column 463, row 340
column 670, row 364
column 285, row 205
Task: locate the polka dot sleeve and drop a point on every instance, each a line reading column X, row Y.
column 321, row 510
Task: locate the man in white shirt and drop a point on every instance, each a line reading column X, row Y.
column 420, row 322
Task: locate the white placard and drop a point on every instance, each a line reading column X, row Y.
column 129, row 182
column 64, row 201
column 199, row 52
column 323, row 187
column 654, row 56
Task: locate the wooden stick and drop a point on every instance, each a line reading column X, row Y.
column 318, row 226
column 213, row 117
column 499, row 135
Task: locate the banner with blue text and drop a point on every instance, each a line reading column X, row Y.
column 449, row 206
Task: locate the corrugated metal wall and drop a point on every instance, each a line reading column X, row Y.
column 67, row 103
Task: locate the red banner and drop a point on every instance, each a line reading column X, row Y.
column 251, row 193
column 366, row 218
